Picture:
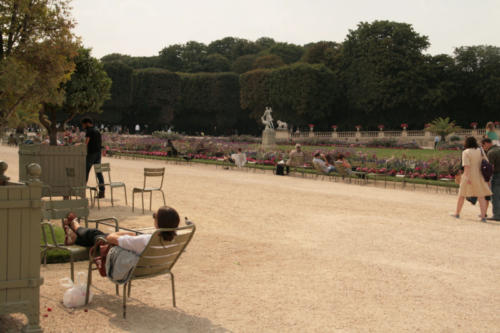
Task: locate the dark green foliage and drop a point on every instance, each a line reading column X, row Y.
column 326, row 53
column 121, row 93
column 255, row 92
column 265, row 42
column 243, row 64
column 243, row 47
column 289, row 53
column 134, row 62
column 156, row 96
column 222, row 46
column 268, row 62
column 181, row 58
column 298, row 94
column 210, row 64
column 208, row 101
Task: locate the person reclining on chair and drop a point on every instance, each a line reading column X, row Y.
column 165, row 217
column 341, row 160
column 325, row 166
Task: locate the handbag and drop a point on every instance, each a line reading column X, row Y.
column 458, row 179
column 100, row 261
column 486, row 168
column 280, row 170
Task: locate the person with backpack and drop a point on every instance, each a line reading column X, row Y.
column 493, row 153
column 473, row 183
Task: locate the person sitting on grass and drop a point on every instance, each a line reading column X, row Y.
column 325, row 166
column 342, row 160
column 165, row 217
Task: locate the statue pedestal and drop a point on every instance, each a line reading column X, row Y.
column 268, row 139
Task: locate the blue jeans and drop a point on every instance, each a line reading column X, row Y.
column 92, row 159
column 495, row 198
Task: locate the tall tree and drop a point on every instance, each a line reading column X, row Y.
column 243, row 47
column 243, row 64
column 289, row 53
column 36, row 51
column 265, row 42
column 326, row 53
column 222, row 46
column 381, row 65
column 268, row 62
column 85, row 92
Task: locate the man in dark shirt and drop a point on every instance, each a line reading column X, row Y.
column 93, row 142
column 494, row 158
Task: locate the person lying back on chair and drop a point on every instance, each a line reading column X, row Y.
column 165, row 217
column 321, row 160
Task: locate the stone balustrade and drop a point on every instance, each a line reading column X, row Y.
column 424, row 138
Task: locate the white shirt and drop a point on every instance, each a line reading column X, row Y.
column 134, row 243
column 436, row 138
column 137, row 128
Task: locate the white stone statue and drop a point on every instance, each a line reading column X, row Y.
column 282, row 125
column 267, row 119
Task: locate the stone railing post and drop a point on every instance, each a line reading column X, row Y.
column 334, row 135
column 474, row 132
column 380, row 134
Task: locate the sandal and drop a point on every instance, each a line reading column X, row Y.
column 67, row 238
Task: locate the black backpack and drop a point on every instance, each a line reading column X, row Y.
column 280, row 170
column 486, row 169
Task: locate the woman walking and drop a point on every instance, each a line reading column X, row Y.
column 472, row 183
column 491, row 133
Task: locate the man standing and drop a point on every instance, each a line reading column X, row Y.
column 436, row 139
column 494, row 158
column 137, row 129
column 93, row 143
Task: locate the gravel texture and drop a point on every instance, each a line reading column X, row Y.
column 284, row 254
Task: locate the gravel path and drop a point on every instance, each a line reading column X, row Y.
column 283, row 254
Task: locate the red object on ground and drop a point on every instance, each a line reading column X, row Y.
column 86, row 310
column 49, row 309
column 45, row 315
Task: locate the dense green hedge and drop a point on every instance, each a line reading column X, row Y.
column 300, row 94
column 155, row 97
column 208, row 101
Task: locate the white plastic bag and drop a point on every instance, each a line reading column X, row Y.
column 75, row 295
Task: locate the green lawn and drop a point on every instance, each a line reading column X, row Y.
column 56, row 255
column 417, row 153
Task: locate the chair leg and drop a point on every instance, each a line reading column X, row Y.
column 142, row 196
column 173, row 287
column 163, row 194
column 89, row 281
column 111, row 190
column 72, row 266
column 117, row 290
column 129, row 287
column 125, row 190
column 125, row 301
column 133, row 196
column 150, row 199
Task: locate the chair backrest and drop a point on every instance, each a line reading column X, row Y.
column 318, row 168
column 160, row 256
column 70, row 174
column 240, row 159
column 342, row 170
column 169, row 151
column 357, row 164
column 443, row 169
column 154, row 172
column 53, row 210
column 104, row 167
column 410, row 166
column 371, row 165
column 296, row 160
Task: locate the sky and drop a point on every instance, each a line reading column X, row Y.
column 144, row 27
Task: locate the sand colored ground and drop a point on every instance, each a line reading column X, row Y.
column 282, row 254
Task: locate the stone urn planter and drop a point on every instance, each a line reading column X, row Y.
column 54, row 160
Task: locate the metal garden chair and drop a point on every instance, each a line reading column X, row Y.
column 320, row 172
column 104, row 167
column 70, row 174
column 160, row 172
column 445, row 181
column 158, row 258
column 404, row 177
column 59, row 210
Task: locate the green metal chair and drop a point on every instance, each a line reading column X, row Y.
column 70, row 174
column 343, row 173
column 408, row 167
column 105, row 168
column 297, row 162
column 54, row 210
column 320, row 172
column 376, row 175
column 158, row 258
column 148, row 172
column 445, row 181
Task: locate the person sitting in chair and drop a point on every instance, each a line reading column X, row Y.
column 296, row 152
column 342, row 160
column 325, row 166
column 165, row 217
column 171, row 145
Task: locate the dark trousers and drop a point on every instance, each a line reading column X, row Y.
column 86, row 237
column 92, row 159
column 495, row 198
